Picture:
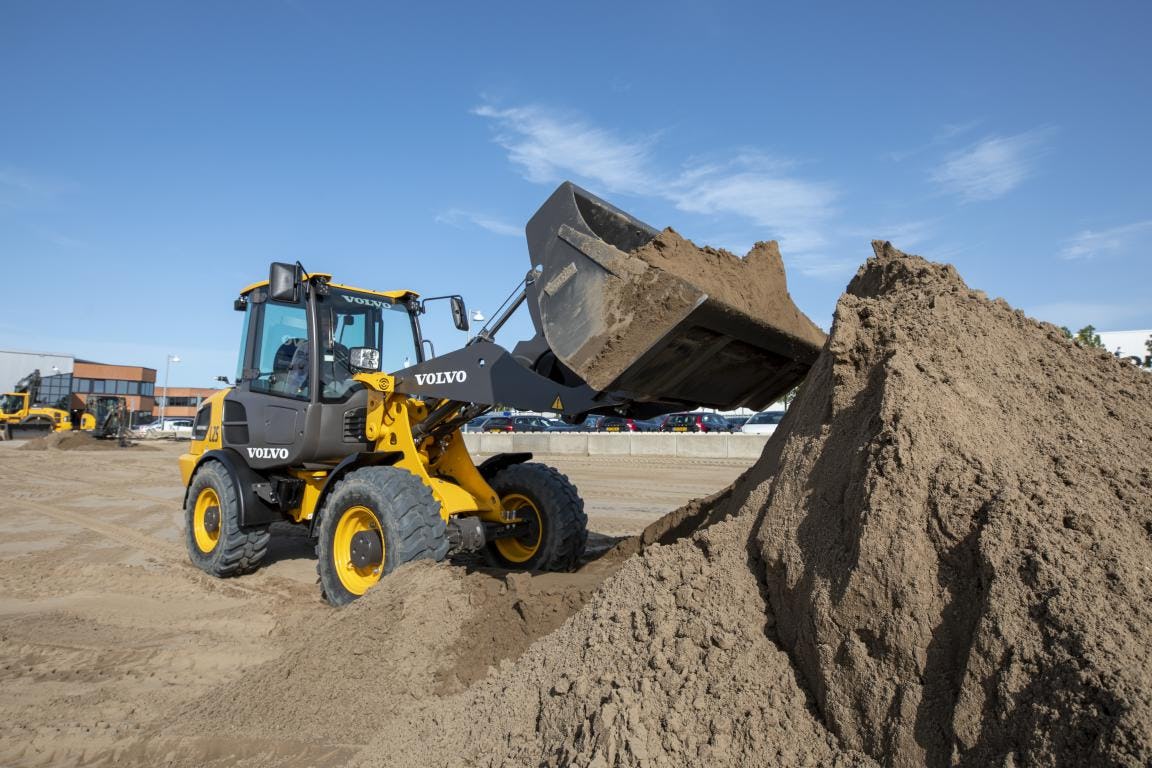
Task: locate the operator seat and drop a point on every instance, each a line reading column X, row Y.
column 282, row 365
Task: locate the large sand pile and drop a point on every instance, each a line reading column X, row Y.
column 958, row 537
column 941, row 558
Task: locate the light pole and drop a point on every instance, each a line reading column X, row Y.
column 164, row 403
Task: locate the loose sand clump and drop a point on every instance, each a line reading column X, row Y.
column 940, row 559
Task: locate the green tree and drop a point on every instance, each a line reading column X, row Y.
column 1066, row 331
column 791, row 395
column 1087, row 337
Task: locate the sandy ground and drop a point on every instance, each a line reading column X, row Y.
column 106, row 630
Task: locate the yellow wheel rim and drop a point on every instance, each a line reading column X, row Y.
column 356, row 579
column 522, row 548
column 205, row 539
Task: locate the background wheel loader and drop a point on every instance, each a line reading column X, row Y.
column 23, row 416
column 329, row 425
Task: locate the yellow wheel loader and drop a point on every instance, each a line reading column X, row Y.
column 342, row 419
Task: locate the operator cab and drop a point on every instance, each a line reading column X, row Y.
column 304, row 338
column 12, row 403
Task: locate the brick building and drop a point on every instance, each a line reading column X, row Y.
column 181, row 402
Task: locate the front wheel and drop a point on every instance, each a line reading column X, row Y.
column 375, row 520
column 556, row 527
column 216, row 542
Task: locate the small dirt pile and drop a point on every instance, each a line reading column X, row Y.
column 429, row 628
column 68, row 441
column 940, row 559
column 958, row 534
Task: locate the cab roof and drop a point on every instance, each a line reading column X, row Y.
column 394, row 296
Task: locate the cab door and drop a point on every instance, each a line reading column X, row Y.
column 266, row 415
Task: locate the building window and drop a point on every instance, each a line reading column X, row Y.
column 83, row 386
column 98, row 386
column 147, row 388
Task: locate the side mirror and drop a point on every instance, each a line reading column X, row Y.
column 459, row 313
column 364, row 358
column 284, row 283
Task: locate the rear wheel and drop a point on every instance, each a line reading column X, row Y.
column 375, row 520
column 556, row 528
column 216, row 543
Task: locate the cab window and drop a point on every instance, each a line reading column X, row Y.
column 281, row 363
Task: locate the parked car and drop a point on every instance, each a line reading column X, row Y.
column 695, row 422
column 649, row 425
column 168, row 428
column 590, row 424
column 737, row 422
column 515, row 424
column 476, row 424
column 763, row 423
column 616, row 424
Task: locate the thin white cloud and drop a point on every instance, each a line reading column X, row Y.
column 547, row 146
column 459, row 218
column 992, row 167
column 1090, row 244
column 944, row 136
column 751, row 185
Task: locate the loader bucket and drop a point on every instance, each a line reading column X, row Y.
column 28, row 430
column 648, row 316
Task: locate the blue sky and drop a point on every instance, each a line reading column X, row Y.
column 156, row 156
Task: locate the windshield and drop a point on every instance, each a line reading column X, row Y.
column 348, row 320
column 11, row 403
column 767, row 417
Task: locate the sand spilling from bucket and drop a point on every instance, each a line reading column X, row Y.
column 755, row 284
column 663, row 283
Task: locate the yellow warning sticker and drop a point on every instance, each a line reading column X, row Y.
column 557, row 405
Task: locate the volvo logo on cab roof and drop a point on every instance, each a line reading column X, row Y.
column 365, row 301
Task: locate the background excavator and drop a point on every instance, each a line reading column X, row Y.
column 330, row 426
column 23, row 416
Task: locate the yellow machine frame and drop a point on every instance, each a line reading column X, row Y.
column 443, row 464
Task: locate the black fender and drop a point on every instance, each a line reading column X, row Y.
column 253, row 510
column 498, row 461
column 349, row 463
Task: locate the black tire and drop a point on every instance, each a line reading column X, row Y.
column 557, row 539
column 229, row 550
column 392, row 503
